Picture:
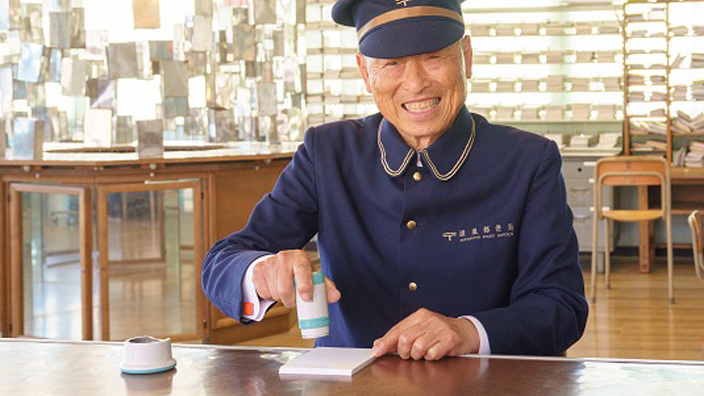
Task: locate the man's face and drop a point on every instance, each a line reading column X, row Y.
column 420, row 94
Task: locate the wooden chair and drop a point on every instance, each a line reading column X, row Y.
column 696, row 222
column 631, row 171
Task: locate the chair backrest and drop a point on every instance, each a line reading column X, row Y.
column 696, row 223
column 632, row 171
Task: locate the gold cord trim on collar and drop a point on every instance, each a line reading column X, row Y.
column 465, row 153
column 384, row 163
column 409, row 12
column 447, row 176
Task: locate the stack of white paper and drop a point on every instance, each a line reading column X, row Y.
column 679, row 30
column 583, row 141
column 554, row 56
column 697, row 61
column 340, row 362
column 530, row 85
column 558, row 138
column 581, row 111
column 505, row 57
column 679, row 93
column 554, row 113
column 505, row 86
column 695, row 157
column 611, row 83
column 579, row 84
column 698, row 90
column 505, row 112
column 555, row 28
column 530, row 113
column 606, row 112
column 584, row 56
column 608, row 140
column 482, row 58
column 479, row 30
column 480, row 85
column 530, row 57
column 556, row 83
column 609, row 27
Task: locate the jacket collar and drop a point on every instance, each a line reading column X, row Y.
column 444, row 157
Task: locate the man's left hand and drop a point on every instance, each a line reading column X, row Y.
column 430, row 336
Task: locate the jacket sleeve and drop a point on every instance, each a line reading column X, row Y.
column 547, row 310
column 286, row 218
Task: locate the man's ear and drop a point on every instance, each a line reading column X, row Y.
column 467, row 47
column 362, row 65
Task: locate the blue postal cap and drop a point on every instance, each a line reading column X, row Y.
column 399, row 28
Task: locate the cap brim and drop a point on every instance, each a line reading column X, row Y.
column 411, row 36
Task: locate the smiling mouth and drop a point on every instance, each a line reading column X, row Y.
column 422, row 105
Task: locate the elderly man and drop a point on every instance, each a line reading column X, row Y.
column 440, row 233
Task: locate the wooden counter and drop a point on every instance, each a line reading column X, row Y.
column 230, row 182
column 91, row 368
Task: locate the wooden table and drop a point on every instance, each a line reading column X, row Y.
column 226, row 182
column 92, row 368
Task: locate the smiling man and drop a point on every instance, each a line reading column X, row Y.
column 440, row 233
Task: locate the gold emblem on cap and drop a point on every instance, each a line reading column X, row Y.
column 399, row 2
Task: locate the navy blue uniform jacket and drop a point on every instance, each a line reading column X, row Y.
column 493, row 240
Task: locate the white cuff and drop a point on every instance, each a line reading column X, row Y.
column 484, row 347
column 250, row 296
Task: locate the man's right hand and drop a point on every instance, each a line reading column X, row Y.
column 273, row 278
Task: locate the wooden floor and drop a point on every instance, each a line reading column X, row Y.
column 631, row 320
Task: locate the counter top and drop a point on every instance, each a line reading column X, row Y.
column 31, row 367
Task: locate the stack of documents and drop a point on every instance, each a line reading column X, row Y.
column 658, row 96
column 554, row 56
column 682, row 123
column 481, row 110
column 480, row 85
column 505, row 57
column 555, row 28
column 585, row 56
column 606, row 56
column 530, row 85
column 606, row 112
column 580, row 84
column 695, row 157
column 658, row 80
column 505, row 86
column 505, row 112
column 506, row 30
column 698, row 30
column 609, row 27
column 611, row 83
column 581, row 112
column 609, row 140
column 583, row 141
column 482, row 58
column 698, row 90
column 636, row 79
column 554, row 113
column 679, row 93
column 530, row 113
column 679, row 30
column 658, row 113
column 556, row 83
column 480, row 30
column 583, row 27
column 530, row 57
column 530, row 29
column 697, row 60
column 647, row 127
column 638, row 96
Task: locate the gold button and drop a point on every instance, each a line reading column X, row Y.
column 412, row 286
column 411, row 225
column 417, row 176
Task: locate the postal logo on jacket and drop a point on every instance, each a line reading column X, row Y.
column 483, row 232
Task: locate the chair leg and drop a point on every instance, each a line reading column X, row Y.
column 595, row 226
column 607, row 253
column 670, row 262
